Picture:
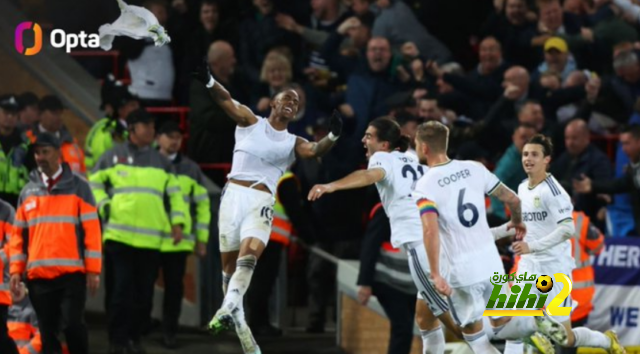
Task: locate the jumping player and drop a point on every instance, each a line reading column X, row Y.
column 263, row 151
column 395, row 174
column 451, row 199
column 546, row 249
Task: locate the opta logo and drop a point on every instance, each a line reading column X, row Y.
column 58, row 38
column 37, row 38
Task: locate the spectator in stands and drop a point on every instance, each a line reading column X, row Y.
column 151, row 67
column 368, row 86
column 428, row 109
column 398, row 24
column 276, row 73
column 620, row 92
column 29, row 113
column 325, row 17
column 557, row 59
column 111, row 130
column 409, row 127
column 209, row 31
column 211, row 137
column 358, row 30
column 507, row 24
column 51, row 110
column 581, row 158
column 360, row 7
column 483, row 83
column 259, row 33
column 13, row 172
column 509, row 167
column 630, row 140
column 552, row 22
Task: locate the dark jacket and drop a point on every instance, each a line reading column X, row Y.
column 629, row 183
column 594, row 164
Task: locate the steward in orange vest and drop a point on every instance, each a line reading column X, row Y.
column 6, row 220
column 23, row 328
column 56, row 240
column 51, row 109
column 587, row 241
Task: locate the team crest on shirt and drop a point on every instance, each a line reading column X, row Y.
column 536, row 202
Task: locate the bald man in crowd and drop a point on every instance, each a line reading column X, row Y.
column 581, row 158
column 211, row 130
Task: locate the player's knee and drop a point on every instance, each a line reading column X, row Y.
column 247, row 262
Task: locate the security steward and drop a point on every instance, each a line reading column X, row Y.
column 118, row 102
column 131, row 183
column 173, row 258
column 13, row 172
column 56, row 240
column 7, row 213
column 51, row 110
column 587, row 241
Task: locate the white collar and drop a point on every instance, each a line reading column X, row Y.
column 43, row 130
column 46, row 178
column 172, row 157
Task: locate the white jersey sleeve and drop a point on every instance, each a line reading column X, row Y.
column 558, row 204
column 491, row 181
column 382, row 160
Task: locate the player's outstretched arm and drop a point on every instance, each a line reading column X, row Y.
column 510, row 198
column 240, row 113
column 563, row 231
column 357, row 179
column 310, row 150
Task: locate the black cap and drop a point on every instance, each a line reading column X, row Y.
column 169, row 127
column 28, row 99
column 50, row 103
column 47, row 139
column 139, row 116
column 9, row 103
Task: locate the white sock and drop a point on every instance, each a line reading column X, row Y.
column 488, row 328
column 432, row 341
column 516, row 329
column 226, row 278
column 479, row 343
column 514, row 347
column 239, row 282
column 248, row 343
column 592, row 339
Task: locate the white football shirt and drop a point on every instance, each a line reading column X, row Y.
column 400, row 175
column 456, row 190
column 544, row 206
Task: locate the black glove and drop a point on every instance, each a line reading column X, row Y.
column 335, row 124
column 202, row 72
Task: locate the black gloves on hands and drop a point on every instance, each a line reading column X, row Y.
column 202, row 72
column 335, row 124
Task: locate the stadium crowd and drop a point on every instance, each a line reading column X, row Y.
column 496, row 73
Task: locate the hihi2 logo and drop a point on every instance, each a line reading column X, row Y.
column 523, row 303
column 59, row 39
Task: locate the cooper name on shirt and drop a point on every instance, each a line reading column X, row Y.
column 442, row 182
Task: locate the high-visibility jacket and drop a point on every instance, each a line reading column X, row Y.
column 101, row 138
column 587, row 241
column 13, row 171
column 70, row 150
column 7, row 214
column 58, row 232
column 131, row 185
column 196, row 197
column 23, row 328
column 281, row 227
